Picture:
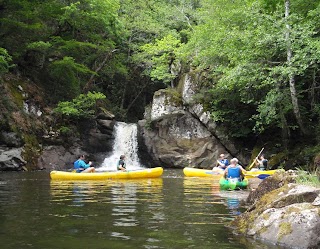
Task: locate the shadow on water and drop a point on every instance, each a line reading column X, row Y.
column 168, row 212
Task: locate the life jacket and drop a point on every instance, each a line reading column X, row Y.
column 76, row 166
column 234, row 172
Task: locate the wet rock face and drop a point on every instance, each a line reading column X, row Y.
column 163, row 105
column 96, row 141
column 179, row 133
column 11, row 159
column 283, row 213
column 179, row 141
column 11, row 139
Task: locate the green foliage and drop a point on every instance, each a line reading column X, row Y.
column 128, row 49
column 39, row 46
column 308, row 178
column 5, row 61
column 81, row 107
column 66, row 74
column 159, row 57
column 65, row 131
column 243, row 47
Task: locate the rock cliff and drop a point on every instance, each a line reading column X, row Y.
column 178, row 133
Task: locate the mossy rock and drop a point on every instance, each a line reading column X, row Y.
column 269, row 184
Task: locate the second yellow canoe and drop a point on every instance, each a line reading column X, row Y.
column 202, row 172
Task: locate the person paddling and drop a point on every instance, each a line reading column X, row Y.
column 262, row 162
column 82, row 167
column 234, row 170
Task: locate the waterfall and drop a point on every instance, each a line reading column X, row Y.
column 125, row 143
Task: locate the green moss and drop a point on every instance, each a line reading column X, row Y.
column 16, row 94
column 263, row 230
column 243, row 222
column 173, row 97
column 31, row 151
column 285, row 228
column 293, row 209
column 188, row 143
column 268, row 198
column 278, row 159
column 265, row 216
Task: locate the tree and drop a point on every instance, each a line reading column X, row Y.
column 293, row 92
column 242, row 48
column 5, row 61
column 81, row 107
column 160, row 58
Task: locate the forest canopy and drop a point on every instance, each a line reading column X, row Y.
column 260, row 58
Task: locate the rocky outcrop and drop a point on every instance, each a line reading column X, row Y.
column 288, row 215
column 32, row 138
column 11, row 159
column 178, row 133
column 95, row 140
column 180, row 141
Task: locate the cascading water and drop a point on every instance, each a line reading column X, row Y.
column 125, row 143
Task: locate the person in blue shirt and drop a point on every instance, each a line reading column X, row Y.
column 82, row 167
column 222, row 162
column 121, row 163
column 234, row 170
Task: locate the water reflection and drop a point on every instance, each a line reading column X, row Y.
column 196, row 189
column 169, row 212
column 114, row 191
column 233, row 206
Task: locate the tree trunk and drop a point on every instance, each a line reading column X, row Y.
column 292, row 87
column 312, row 91
column 88, row 85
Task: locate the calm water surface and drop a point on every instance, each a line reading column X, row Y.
column 169, row 212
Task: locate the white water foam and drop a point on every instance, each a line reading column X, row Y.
column 125, row 143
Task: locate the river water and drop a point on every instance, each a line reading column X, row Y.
column 168, row 212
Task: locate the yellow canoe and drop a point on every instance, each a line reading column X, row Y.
column 217, row 174
column 187, row 171
column 143, row 173
column 260, row 173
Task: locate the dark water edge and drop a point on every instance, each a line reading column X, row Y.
column 168, row 212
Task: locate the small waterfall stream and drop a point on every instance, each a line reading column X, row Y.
column 125, row 143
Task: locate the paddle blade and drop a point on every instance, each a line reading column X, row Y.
column 263, row 176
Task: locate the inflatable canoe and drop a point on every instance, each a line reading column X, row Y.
column 261, row 173
column 232, row 184
column 143, row 173
column 202, row 172
column 218, row 173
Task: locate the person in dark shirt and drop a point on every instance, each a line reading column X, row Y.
column 262, row 163
column 121, row 163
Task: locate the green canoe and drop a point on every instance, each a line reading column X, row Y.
column 232, row 184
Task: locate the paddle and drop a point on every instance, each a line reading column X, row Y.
column 255, row 159
column 263, row 176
